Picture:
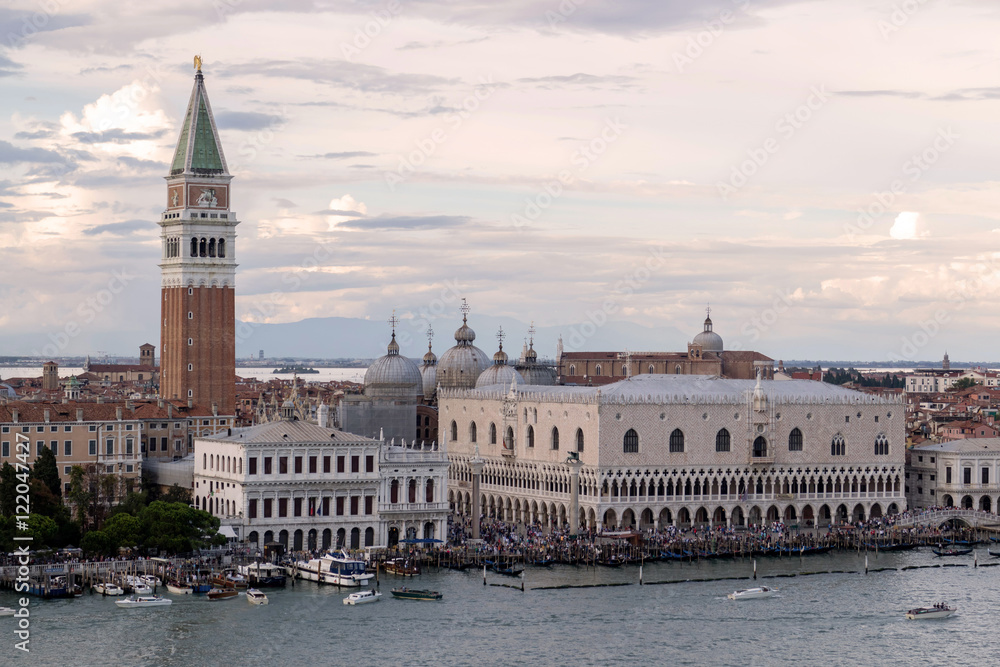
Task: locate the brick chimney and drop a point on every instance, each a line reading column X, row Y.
column 118, row 413
column 48, row 415
column 79, row 414
column 14, row 414
column 170, row 410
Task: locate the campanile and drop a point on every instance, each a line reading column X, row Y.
column 198, row 267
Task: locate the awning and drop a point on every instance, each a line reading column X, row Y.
column 423, row 541
column 227, row 532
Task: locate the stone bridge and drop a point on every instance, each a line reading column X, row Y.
column 973, row 518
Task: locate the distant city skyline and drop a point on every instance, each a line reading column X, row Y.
column 823, row 175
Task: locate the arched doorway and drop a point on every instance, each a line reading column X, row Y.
column 312, row 540
column 628, row 519
column 369, row 536
column 283, row 539
column 967, row 502
column 772, row 513
column 297, row 541
column 646, row 519
column 701, row 516
column 610, row 519
column 341, row 538
column 252, row 538
column 393, row 536
column 875, row 512
column 738, row 518
column 268, row 536
column 756, row 516
column 790, row 516
column 666, row 518
column 859, row 513
column 327, row 538
column 948, row 501
column 841, row 513
column 719, row 516
column 807, row 516
column 355, row 538
column 986, row 504
column 428, row 531
column 683, row 516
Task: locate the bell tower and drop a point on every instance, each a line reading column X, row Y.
column 198, row 266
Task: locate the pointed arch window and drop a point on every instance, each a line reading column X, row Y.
column 597, row 369
column 795, row 440
column 579, row 439
column 881, row 445
column 677, row 440
column 454, row 430
column 555, row 438
column 838, row 447
column 630, row 443
column 760, row 447
column 508, row 440
column 472, row 432
column 530, row 442
column 493, row 433
column 722, row 440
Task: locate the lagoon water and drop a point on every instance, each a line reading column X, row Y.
column 819, row 619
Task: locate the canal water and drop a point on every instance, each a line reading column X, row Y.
column 816, row 619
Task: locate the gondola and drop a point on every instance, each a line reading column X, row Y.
column 952, row 552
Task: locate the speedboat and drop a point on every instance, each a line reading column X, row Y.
column 937, row 611
column 256, row 597
column 144, row 601
column 140, row 588
column 150, row 580
column 6, row 611
column 222, row 593
column 363, row 597
column 752, row 593
column 109, row 589
column 412, row 594
column 339, row 570
column 178, row 588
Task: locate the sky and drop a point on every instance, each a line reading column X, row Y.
column 823, row 174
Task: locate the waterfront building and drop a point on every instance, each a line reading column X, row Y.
column 198, row 266
column 412, row 501
column 959, row 473
column 705, row 356
column 683, row 450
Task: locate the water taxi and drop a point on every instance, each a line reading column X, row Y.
column 401, row 567
column 144, row 601
column 363, row 597
column 178, row 588
column 264, row 574
column 339, row 570
column 222, row 593
column 256, row 597
column 752, row 593
column 108, row 589
column 937, row 611
column 413, row 594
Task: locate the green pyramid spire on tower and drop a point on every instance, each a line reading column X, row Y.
column 199, row 150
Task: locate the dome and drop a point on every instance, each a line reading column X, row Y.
column 538, row 374
column 429, row 373
column 393, row 376
column 460, row 366
column 708, row 339
column 499, row 374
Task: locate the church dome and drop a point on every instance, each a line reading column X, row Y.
column 538, row 374
column 460, row 366
column 429, row 371
column 499, row 374
column 708, row 339
column 393, row 376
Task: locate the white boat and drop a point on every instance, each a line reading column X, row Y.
column 150, row 580
column 108, row 589
column 264, row 574
column 339, row 570
column 752, row 593
column 179, row 589
column 144, row 601
column 6, row 611
column 140, row 588
column 363, row 597
column 256, row 597
column 937, row 611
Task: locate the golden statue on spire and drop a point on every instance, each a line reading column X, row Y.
column 197, row 63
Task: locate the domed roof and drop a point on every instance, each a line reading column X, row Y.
column 393, row 376
column 460, row 366
column 499, row 374
column 538, row 374
column 429, row 373
column 708, row 339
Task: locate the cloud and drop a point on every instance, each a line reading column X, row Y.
column 116, row 136
column 407, row 222
column 342, row 74
column 905, row 94
column 343, row 209
column 591, row 81
column 344, row 155
column 905, row 226
column 11, row 154
column 121, row 228
column 246, row 120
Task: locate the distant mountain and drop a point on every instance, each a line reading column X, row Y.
column 344, row 337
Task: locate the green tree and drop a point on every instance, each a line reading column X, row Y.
column 43, row 530
column 47, row 470
column 8, row 489
column 964, row 383
column 132, row 504
column 178, row 528
column 176, row 494
column 43, row 501
column 123, row 530
column 96, row 543
column 79, row 494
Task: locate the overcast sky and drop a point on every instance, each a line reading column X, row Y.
column 823, row 173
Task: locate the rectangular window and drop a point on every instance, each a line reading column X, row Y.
column 267, row 507
column 6, row 429
column 312, row 464
column 67, row 429
column 947, row 475
column 967, row 475
column 267, row 465
column 39, row 446
column 298, row 465
column 369, row 463
column 109, row 446
column 67, row 470
column 128, row 427
column 355, row 504
column 355, row 464
column 152, row 444
column 297, row 507
column 252, row 508
column 326, row 507
column 920, row 458
column 369, row 504
column 282, row 465
column 54, row 446
column 68, row 448
column 92, row 428
column 986, row 475
column 128, row 445
column 340, row 464
column 340, row 506
column 326, row 464
column 93, row 447
column 252, row 465
column 5, row 449
column 282, row 507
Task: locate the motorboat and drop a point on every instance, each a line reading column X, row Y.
column 144, row 601
column 6, row 611
column 937, row 611
column 405, row 593
column 264, row 574
column 752, row 593
column 178, row 588
column 141, row 588
column 363, row 597
column 108, row 589
column 150, row 580
column 256, row 597
column 337, row 569
column 222, row 593
column 401, row 567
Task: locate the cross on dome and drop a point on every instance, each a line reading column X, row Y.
column 501, row 335
column 393, row 321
